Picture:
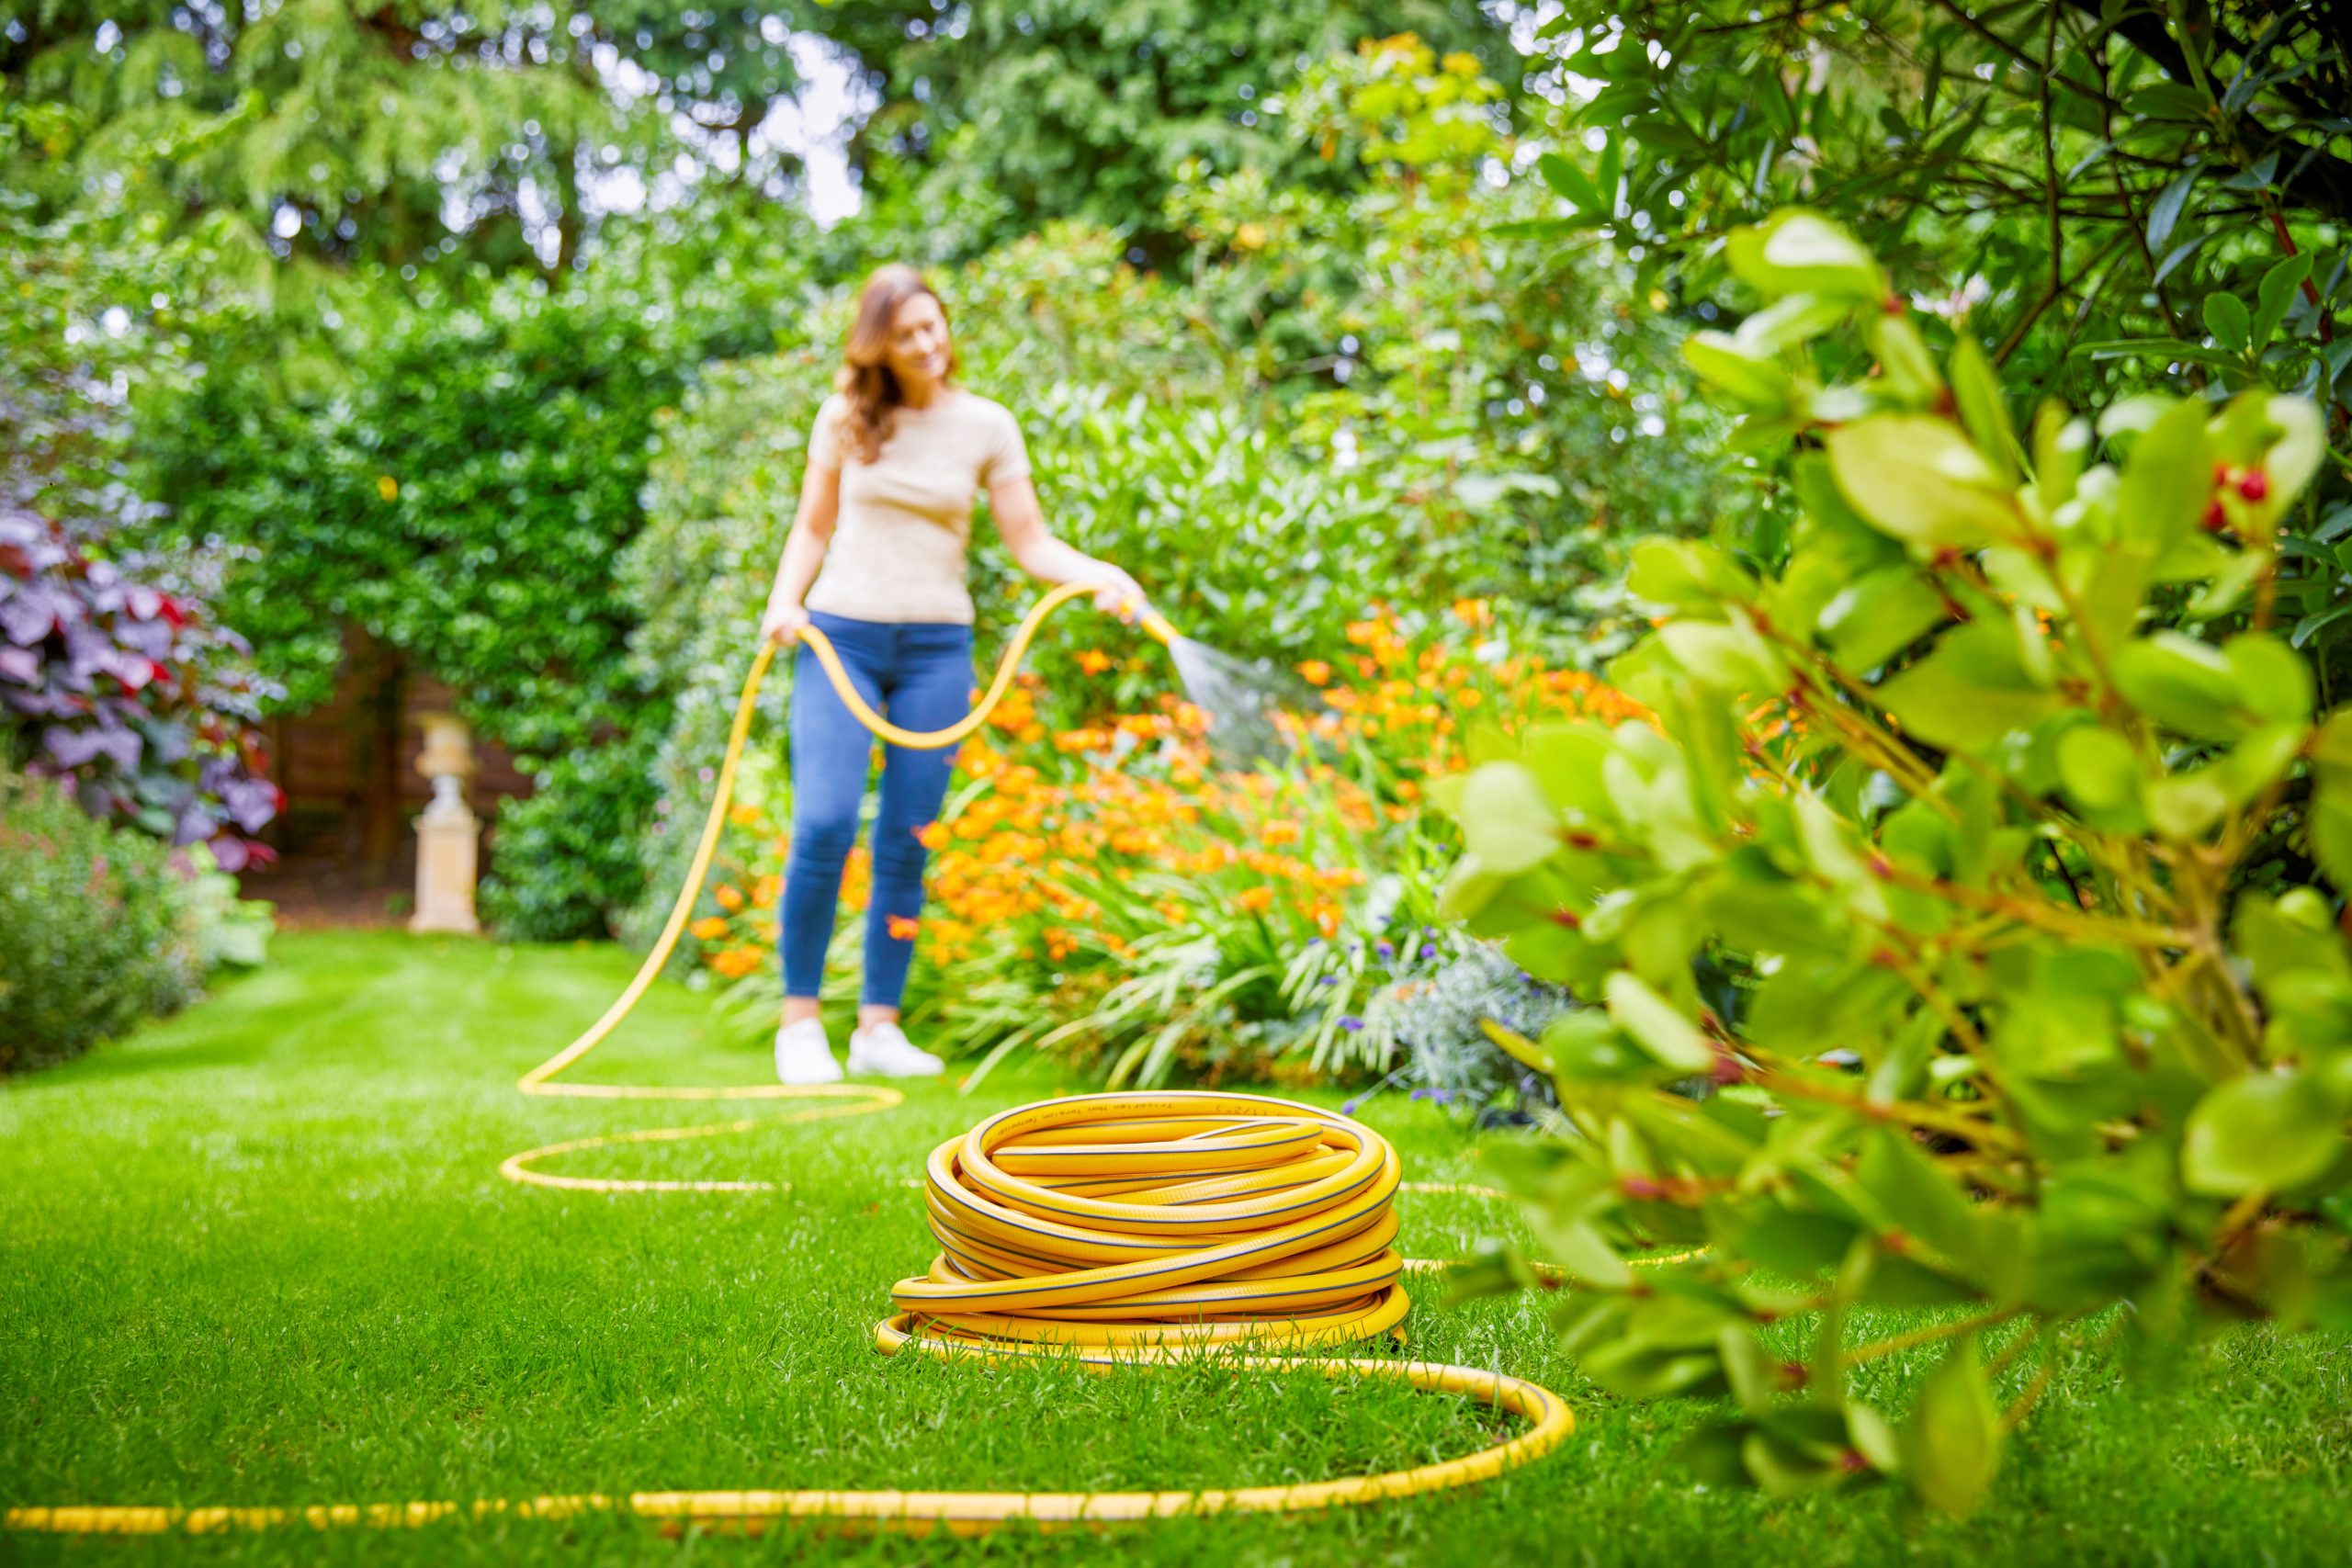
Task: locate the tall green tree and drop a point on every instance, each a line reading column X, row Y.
column 2061, row 176
column 405, row 132
column 2110, row 199
column 102, row 307
column 999, row 116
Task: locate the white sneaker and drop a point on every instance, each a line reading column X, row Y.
column 883, row 1051
column 803, row 1054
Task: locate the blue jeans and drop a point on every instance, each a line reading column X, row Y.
column 920, row 676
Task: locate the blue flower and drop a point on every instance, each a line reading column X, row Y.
column 1428, row 949
column 1386, row 951
column 1348, row 1107
column 1326, row 979
column 1351, row 1023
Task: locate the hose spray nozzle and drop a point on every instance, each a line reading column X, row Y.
column 1152, row 622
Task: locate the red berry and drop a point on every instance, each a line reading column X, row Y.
column 2221, row 475
column 2254, row 485
column 2215, row 518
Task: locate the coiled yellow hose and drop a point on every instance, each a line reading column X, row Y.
column 1117, row 1230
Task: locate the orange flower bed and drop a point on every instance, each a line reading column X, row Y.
column 1067, row 860
column 1409, row 696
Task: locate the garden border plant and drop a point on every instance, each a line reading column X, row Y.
column 1963, row 788
column 98, row 928
column 145, row 707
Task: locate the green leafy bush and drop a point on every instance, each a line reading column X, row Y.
column 1961, row 788
column 2198, row 150
column 96, row 928
column 1413, row 329
column 568, row 863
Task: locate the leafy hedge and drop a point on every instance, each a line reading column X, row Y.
column 461, row 493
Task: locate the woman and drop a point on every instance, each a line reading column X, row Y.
column 897, row 456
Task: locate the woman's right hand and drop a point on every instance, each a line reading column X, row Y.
column 782, row 623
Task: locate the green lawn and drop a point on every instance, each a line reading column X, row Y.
column 260, row 1254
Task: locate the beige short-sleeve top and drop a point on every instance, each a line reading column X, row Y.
column 898, row 544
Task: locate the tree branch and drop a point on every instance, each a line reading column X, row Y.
column 2315, row 178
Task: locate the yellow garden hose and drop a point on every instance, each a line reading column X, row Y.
column 1115, row 1230
column 1006, row 668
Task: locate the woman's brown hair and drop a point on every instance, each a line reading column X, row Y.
column 865, row 381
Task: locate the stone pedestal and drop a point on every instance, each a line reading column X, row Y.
column 447, row 835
